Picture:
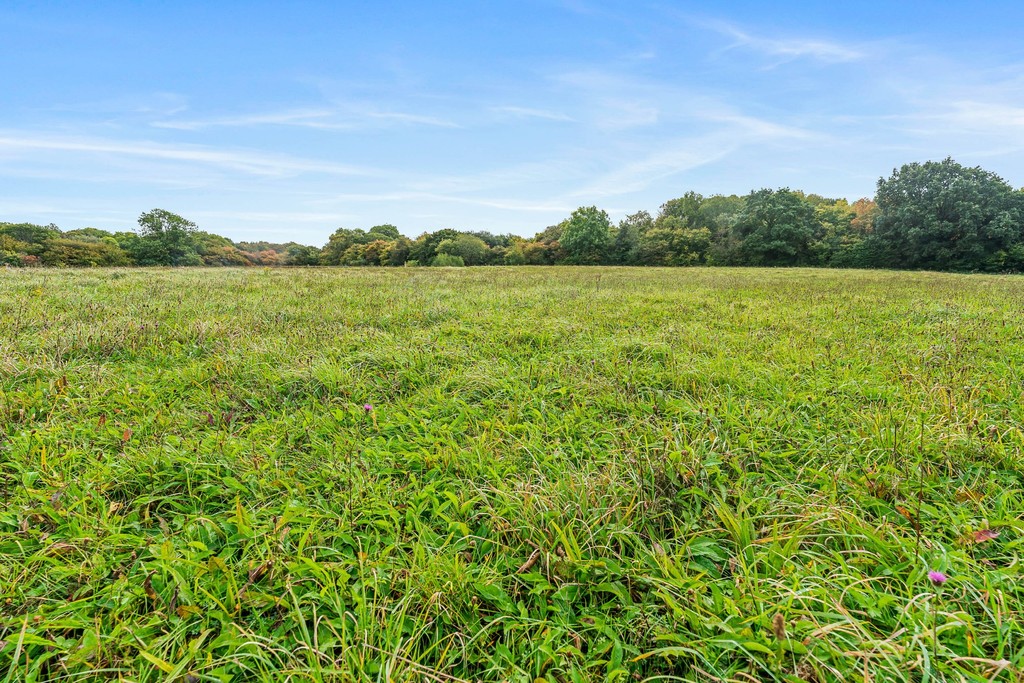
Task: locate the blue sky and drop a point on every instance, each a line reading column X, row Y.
column 284, row 121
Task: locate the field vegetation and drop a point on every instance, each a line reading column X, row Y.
column 557, row 474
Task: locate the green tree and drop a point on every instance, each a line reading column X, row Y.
column 587, row 236
column 302, row 255
column 720, row 214
column 165, row 239
column 65, row 252
column 625, row 249
column 339, row 242
column 424, row 249
column 679, row 235
column 552, row 233
column 835, row 236
column 686, row 208
column 218, row 251
column 543, row 253
column 31, row 240
column 471, row 249
column 376, row 252
column 672, row 242
column 87, row 233
column 386, row 232
column 355, row 255
column 493, row 240
column 12, row 251
column 514, row 255
column 398, row 255
column 29, row 233
column 776, row 228
column 944, row 216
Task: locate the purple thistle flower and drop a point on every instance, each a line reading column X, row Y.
column 367, row 407
column 937, row 578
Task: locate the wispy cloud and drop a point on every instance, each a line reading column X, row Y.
column 531, row 113
column 309, row 118
column 786, row 49
column 615, row 102
column 508, row 205
column 249, row 162
column 953, row 121
column 348, row 118
column 754, row 130
column 986, row 117
column 274, row 217
column 404, row 117
column 728, row 131
column 96, row 214
column 638, row 175
column 152, row 104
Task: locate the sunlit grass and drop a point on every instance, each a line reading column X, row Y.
column 570, row 474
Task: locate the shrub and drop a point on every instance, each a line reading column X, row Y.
column 447, row 260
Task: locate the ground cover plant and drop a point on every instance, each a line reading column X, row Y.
column 563, row 474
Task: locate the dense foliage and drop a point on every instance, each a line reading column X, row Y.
column 548, row 474
column 936, row 216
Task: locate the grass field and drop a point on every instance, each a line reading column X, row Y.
column 566, row 474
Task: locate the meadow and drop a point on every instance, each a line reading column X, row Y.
column 518, row 474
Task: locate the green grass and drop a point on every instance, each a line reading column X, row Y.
column 568, row 474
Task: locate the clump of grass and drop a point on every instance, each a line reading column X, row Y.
column 510, row 474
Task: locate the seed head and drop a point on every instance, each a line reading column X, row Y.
column 779, row 627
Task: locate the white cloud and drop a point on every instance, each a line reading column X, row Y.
column 249, row 162
column 638, row 175
column 346, row 118
column 508, row 205
column 275, row 217
column 311, row 118
column 987, row 117
column 636, row 169
column 531, row 113
column 754, row 130
column 159, row 104
column 787, row 49
column 403, row 117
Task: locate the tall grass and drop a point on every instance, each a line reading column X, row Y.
column 566, row 474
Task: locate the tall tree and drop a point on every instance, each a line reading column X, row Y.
column 302, row 255
column 944, row 216
column 687, row 208
column 776, row 228
column 631, row 229
column 424, row 249
column 165, row 239
column 385, row 232
column 340, row 241
column 672, row 242
column 679, row 236
column 586, row 236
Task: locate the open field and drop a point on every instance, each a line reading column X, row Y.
column 569, row 474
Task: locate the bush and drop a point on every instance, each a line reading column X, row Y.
column 447, row 261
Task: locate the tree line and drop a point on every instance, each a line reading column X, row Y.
column 933, row 215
